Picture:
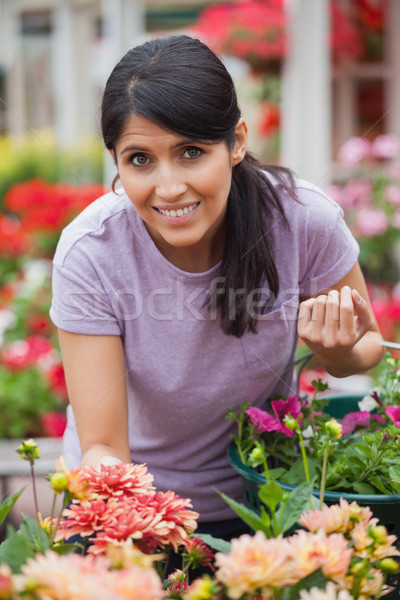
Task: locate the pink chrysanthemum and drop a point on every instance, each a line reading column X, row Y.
column 197, row 553
column 154, row 520
column 262, row 420
column 119, row 480
column 84, row 519
column 76, row 577
column 319, row 550
column 338, row 518
column 256, row 564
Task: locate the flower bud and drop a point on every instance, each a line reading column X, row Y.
column 358, row 568
column 290, row 422
column 378, row 534
column 29, row 450
column 333, row 429
column 257, row 453
column 388, row 565
column 59, row 482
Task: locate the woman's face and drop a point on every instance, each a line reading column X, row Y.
column 180, row 188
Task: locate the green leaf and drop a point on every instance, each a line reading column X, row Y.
column 15, row 550
column 290, row 512
column 7, row 505
column 394, row 474
column 37, row 536
column 315, row 579
column 271, row 494
column 248, row 516
column 363, row 488
column 215, row 543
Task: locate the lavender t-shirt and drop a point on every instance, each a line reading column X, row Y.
column 182, row 372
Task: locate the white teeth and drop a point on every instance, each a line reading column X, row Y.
column 178, row 213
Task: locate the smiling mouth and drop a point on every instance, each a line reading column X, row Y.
column 179, row 212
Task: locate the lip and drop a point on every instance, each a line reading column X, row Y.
column 177, row 220
column 176, row 207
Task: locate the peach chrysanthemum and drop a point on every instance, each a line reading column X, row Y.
column 66, row 577
column 256, row 564
column 331, row 592
column 119, row 480
column 368, row 588
column 319, row 550
column 76, row 484
column 338, row 518
column 375, row 547
column 84, row 519
column 134, row 582
column 76, row 577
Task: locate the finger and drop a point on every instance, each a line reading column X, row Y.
column 305, row 310
column 333, row 308
column 347, row 316
column 319, row 309
column 365, row 318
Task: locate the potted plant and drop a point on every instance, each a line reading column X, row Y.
column 348, row 444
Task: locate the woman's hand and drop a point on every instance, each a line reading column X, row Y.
column 334, row 320
column 340, row 328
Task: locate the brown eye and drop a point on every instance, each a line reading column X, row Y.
column 192, row 152
column 139, row 160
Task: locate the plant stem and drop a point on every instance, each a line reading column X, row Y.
column 304, row 457
column 323, row 476
column 35, row 498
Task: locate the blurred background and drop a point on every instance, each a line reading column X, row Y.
column 319, row 85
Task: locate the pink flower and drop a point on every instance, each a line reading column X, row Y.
column 338, row 518
column 77, row 577
column 354, row 150
column 119, row 480
column 393, row 412
column 197, row 553
column 371, row 222
column 291, row 407
column 261, row 420
column 357, row 192
column 352, row 420
column 392, row 193
column 53, row 423
column 335, row 192
column 254, row 564
column 84, row 518
column 319, row 550
column 385, row 146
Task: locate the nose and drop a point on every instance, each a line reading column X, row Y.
column 170, row 184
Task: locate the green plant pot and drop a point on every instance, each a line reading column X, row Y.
column 386, row 508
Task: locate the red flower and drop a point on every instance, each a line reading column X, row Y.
column 119, row 480
column 22, row 354
column 53, row 423
column 56, row 378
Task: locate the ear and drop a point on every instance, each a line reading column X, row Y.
column 240, row 147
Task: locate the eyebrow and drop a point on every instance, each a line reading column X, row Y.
column 188, row 142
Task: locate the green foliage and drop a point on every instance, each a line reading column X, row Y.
column 24, row 397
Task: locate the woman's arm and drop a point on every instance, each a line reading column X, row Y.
column 339, row 327
column 95, row 376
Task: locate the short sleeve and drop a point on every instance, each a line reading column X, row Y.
column 80, row 302
column 330, row 248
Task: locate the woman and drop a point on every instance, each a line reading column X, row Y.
column 177, row 297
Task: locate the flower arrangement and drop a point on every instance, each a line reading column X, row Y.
column 368, row 190
column 358, row 454
column 33, row 395
column 256, row 31
column 126, row 530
